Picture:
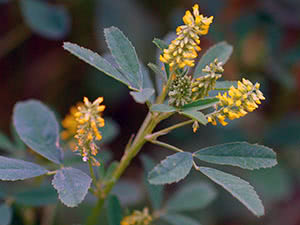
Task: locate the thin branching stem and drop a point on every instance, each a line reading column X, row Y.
column 166, row 145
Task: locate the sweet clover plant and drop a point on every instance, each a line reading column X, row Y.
column 193, row 90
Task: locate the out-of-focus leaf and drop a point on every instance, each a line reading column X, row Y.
column 147, row 82
column 155, row 192
column 172, row 169
column 162, row 108
column 200, row 104
column 239, row 189
column 177, row 219
column 98, row 62
column 192, row 196
column 44, row 195
column 264, row 181
column 161, row 44
column 110, row 170
column 72, row 185
column 124, row 53
column 114, row 210
column 5, row 143
column 143, row 95
column 195, row 115
column 50, row 21
column 128, row 192
column 158, row 72
column 16, row 169
column 222, row 51
column 110, row 131
column 6, row 214
column 225, row 85
column 241, row 154
column 37, row 127
column 19, row 144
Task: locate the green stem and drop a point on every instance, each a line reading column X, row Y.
column 165, row 145
column 94, row 180
column 165, row 131
column 150, row 122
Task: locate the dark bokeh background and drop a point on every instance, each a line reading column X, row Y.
column 266, row 39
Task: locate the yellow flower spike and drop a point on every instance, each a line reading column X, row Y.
column 183, row 50
column 89, row 120
column 238, row 102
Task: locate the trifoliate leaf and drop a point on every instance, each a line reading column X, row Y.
column 241, row 154
column 239, row 189
column 16, row 169
column 162, row 108
column 200, row 104
column 143, row 95
column 37, row 127
column 172, row 169
column 72, row 185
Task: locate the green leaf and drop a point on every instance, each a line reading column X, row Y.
column 160, row 44
column 172, row 169
column 177, row 219
column 155, row 68
column 110, row 170
column 50, row 21
column 6, row 214
column 162, row 108
column 98, row 62
column 241, row 154
column 192, row 196
column 16, row 169
column 110, row 131
column 195, row 115
column 225, row 85
column 155, row 192
column 239, row 189
column 200, row 104
column 40, row 196
column 72, row 185
column 125, row 55
column 114, row 210
column 143, row 95
column 222, row 51
column 19, row 144
column 5, row 143
column 128, row 192
column 37, row 127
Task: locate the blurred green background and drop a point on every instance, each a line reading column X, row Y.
column 266, row 39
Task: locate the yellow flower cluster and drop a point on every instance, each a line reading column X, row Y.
column 183, row 50
column 204, row 84
column 89, row 121
column 70, row 124
column 138, row 218
column 237, row 102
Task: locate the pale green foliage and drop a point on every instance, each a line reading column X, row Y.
column 162, row 108
column 241, row 154
column 72, row 185
column 38, row 128
column 195, row 115
column 16, row 169
column 172, row 169
column 239, row 188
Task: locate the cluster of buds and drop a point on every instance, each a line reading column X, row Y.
column 202, row 85
column 138, row 218
column 183, row 50
column 237, row 102
column 180, row 92
column 89, row 121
